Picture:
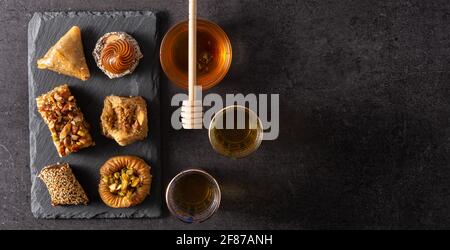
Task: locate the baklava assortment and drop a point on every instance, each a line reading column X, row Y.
column 124, row 180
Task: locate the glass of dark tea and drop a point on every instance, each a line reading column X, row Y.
column 214, row 54
column 235, row 132
column 193, row 196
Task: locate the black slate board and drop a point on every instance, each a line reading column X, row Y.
column 43, row 31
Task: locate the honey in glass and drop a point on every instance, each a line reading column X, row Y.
column 214, row 54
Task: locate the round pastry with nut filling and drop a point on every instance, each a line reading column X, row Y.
column 117, row 54
column 124, row 181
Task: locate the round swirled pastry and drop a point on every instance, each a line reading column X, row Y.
column 117, row 54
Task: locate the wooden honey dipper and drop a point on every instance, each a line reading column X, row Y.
column 192, row 109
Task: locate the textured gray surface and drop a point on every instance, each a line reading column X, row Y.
column 44, row 30
column 364, row 91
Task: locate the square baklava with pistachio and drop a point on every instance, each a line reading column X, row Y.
column 67, row 125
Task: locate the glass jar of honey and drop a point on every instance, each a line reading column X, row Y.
column 214, row 54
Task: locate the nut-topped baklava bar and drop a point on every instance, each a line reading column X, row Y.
column 69, row 129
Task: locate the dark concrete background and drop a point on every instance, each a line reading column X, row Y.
column 364, row 97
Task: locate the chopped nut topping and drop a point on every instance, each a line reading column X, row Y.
column 123, row 183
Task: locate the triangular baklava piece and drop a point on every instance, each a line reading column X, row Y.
column 67, row 56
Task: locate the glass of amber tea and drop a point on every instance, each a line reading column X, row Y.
column 214, row 54
column 193, row 196
column 235, row 132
